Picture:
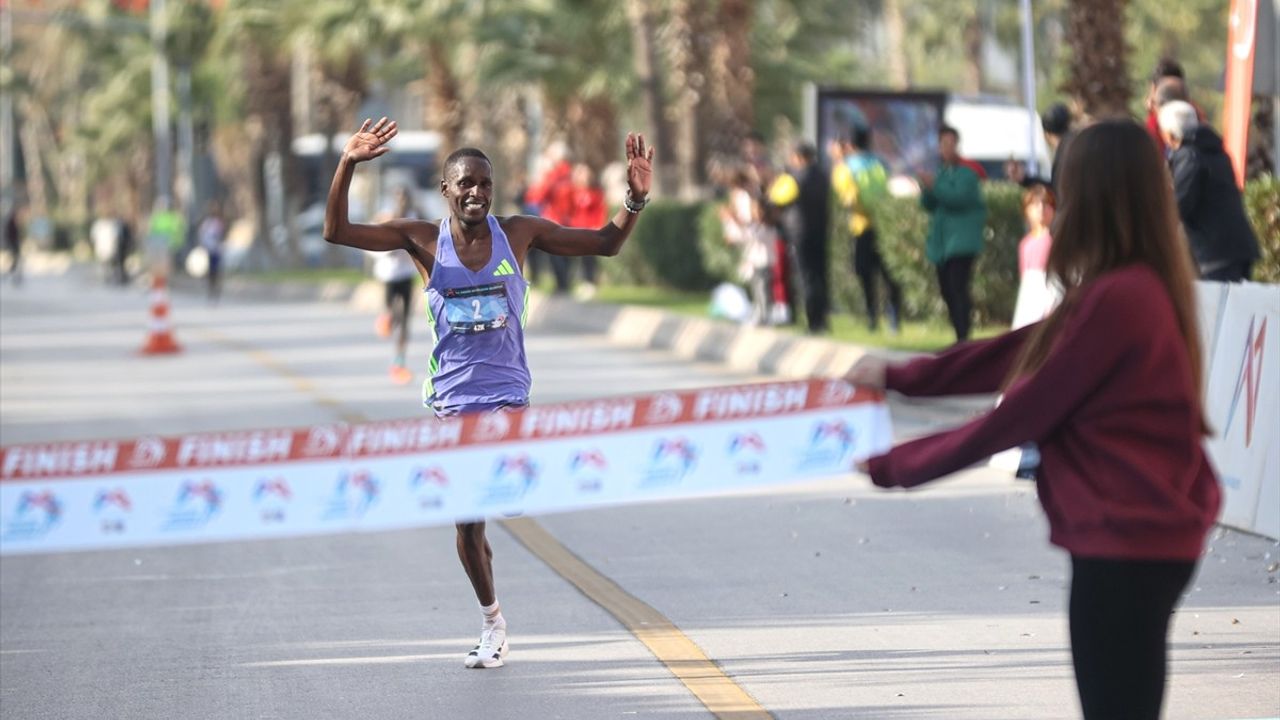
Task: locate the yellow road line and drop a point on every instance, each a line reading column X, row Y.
column 721, row 695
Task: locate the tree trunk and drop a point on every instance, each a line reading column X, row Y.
column 896, row 34
column 973, row 53
column 234, row 157
column 138, row 191
column 37, row 179
column 1097, row 77
column 732, row 79
column 444, row 96
column 693, row 33
column 65, row 166
column 650, row 80
column 269, row 111
column 593, row 124
column 343, row 87
column 505, row 139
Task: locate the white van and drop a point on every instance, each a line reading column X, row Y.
column 995, row 129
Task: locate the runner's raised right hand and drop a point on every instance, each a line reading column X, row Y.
column 370, row 142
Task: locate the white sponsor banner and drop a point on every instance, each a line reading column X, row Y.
column 1243, row 405
column 1266, row 520
column 419, row 472
column 1211, row 300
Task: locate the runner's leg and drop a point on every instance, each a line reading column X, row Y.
column 477, row 560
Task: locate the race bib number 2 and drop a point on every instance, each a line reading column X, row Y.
column 476, row 309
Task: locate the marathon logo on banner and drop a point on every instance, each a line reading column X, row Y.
column 1243, row 392
column 425, row 471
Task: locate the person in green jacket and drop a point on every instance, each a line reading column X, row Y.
column 957, row 216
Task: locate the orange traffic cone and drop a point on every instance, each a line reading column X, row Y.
column 160, row 339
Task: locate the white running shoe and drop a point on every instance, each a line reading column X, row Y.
column 491, row 649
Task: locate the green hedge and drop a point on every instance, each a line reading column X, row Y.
column 1262, row 200
column 681, row 246
column 902, row 226
column 664, row 248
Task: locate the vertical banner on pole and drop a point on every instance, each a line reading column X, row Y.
column 1238, row 99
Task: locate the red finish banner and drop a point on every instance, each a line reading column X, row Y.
column 421, row 435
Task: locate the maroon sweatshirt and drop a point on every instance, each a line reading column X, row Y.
column 1115, row 411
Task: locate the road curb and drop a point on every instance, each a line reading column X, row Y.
column 746, row 349
column 757, row 350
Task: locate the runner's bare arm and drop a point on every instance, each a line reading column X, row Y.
column 412, row 235
column 559, row 240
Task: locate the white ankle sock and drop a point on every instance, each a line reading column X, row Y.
column 492, row 614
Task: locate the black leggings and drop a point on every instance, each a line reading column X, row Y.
column 869, row 265
column 955, row 279
column 1120, row 611
column 399, row 298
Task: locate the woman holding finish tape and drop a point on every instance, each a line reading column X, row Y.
column 1109, row 386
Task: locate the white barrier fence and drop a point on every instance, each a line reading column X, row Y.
column 1240, row 338
column 1240, row 327
column 412, row 473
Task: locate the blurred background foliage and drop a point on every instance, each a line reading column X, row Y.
column 510, row 75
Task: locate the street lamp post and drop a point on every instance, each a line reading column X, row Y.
column 160, row 108
column 7, row 172
column 1029, row 88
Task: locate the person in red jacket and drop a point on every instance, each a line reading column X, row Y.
column 588, row 211
column 1109, row 386
column 552, row 195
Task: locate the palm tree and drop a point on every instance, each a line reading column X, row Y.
column 568, row 52
column 648, row 73
column 438, row 34
column 1098, row 77
column 252, row 46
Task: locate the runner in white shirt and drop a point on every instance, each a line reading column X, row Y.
column 397, row 272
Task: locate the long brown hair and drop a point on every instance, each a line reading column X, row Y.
column 1115, row 208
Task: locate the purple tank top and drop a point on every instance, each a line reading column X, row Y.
column 477, row 322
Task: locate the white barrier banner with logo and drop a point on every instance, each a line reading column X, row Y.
column 1211, row 300
column 1243, row 404
column 419, row 472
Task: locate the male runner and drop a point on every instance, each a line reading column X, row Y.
column 472, row 264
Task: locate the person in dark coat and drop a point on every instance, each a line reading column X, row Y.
column 802, row 195
column 1209, row 201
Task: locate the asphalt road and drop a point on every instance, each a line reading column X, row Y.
column 829, row 601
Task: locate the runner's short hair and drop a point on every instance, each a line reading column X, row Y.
column 458, row 155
